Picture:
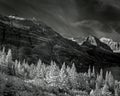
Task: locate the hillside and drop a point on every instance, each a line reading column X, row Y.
column 22, row 79
column 31, row 39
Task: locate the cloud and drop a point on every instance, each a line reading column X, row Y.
column 64, row 16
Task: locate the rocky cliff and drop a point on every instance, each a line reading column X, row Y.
column 30, row 39
column 115, row 46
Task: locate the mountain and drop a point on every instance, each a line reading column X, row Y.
column 115, row 46
column 31, row 39
column 93, row 41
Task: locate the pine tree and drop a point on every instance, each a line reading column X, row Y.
column 93, row 71
column 16, row 66
column 111, row 80
column 39, row 70
column 10, row 63
column 3, row 57
column 32, row 71
column 100, row 79
column 73, row 76
column 20, row 69
column 52, row 74
column 26, row 69
column 9, row 56
column 62, row 73
column 107, row 77
column 89, row 72
column 63, row 76
column 68, row 69
column 101, row 73
column 73, row 71
column 98, row 82
column 3, row 50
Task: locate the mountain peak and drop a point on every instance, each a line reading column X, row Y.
column 115, row 46
column 93, row 41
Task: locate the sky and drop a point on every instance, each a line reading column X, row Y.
column 70, row 18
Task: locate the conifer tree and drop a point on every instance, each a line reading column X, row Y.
column 107, row 77
column 32, row 71
column 100, row 79
column 111, row 80
column 62, row 73
column 73, row 76
column 98, row 82
column 16, row 67
column 101, row 73
column 68, row 69
column 9, row 56
column 3, row 50
column 54, row 70
column 63, row 76
column 10, row 63
column 52, row 74
column 2, row 59
column 73, row 72
column 39, row 71
column 3, row 56
column 89, row 72
column 93, row 71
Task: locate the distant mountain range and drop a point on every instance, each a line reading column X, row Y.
column 31, row 39
column 115, row 46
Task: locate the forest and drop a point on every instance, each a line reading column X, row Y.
column 23, row 79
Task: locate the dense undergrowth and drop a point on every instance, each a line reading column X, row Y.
column 21, row 79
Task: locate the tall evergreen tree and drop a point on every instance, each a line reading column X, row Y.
column 63, row 76
column 107, row 77
column 52, row 74
column 9, row 56
column 111, row 80
column 89, row 72
column 73, row 76
column 93, row 71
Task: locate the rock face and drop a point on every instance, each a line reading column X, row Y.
column 33, row 40
column 93, row 41
column 115, row 46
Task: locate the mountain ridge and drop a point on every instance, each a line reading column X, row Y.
column 32, row 40
column 115, row 46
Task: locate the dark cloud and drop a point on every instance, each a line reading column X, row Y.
column 66, row 16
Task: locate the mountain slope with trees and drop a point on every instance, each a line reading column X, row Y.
column 31, row 40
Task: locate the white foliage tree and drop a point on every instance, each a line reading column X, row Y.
column 9, row 56
column 73, row 76
column 52, row 74
column 89, row 72
column 63, row 76
column 111, row 80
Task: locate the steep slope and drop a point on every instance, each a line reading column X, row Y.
column 93, row 41
column 115, row 46
column 32, row 40
column 100, row 52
